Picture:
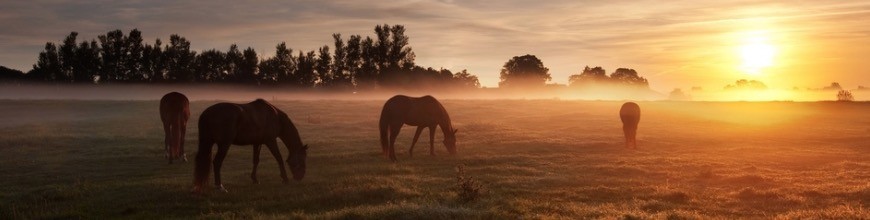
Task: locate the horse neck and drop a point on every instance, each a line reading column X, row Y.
column 446, row 125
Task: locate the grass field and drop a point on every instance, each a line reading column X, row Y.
column 532, row 158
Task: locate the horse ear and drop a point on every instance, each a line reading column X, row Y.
column 455, row 130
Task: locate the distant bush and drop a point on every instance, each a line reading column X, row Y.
column 845, row 96
column 469, row 189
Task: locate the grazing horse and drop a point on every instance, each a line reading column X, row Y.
column 256, row 123
column 630, row 115
column 423, row 112
column 174, row 112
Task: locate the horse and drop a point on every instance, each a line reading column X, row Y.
column 174, row 112
column 630, row 116
column 423, row 112
column 256, row 123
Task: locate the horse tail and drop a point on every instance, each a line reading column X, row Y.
column 203, row 158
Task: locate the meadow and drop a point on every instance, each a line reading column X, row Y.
column 531, row 159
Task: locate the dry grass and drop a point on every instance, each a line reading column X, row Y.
column 536, row 159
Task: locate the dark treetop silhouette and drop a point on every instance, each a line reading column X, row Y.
column 174, row 112
column 255, row 123
column 630, row 115
column 422, row 112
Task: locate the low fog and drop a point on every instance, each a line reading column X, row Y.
column 244, row 93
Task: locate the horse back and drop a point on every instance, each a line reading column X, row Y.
column 630, row 113
column 174, row 106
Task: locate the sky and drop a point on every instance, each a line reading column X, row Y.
column 674, row 44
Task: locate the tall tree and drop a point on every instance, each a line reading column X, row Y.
column 341, row 69
column 524, row 71
column 304, row 74
column 68, row 59
column 48, row 65
column 234, row 60
column 132, row 59
column 367, row 74
column 323, row 67
column 210, row 66
column 179, row 60
column 353, row 61
column 88, row 57
column 152, row 62
column 248, row 66
column 112, row 44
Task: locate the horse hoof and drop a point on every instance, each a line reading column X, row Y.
column 221, row 188
column 184, row 158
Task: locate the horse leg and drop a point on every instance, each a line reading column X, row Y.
column 183, row 129
column 633, row 135
column 167, row 141
column 394, row 132
column 432, row 140
column 273, row 147
column 218, row 161
column 416, row 136
column 257, row 148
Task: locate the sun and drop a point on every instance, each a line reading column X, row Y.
column 756, row 54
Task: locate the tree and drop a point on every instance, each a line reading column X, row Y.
column 366, row 75
column 589, row 76
column 280, row 68
column 211, row 66
column 248, row 66
column 323, row 67
column 179, row 60
column 524, row 71
column 112, row 44
column 341, row 75
column 48, row 65
column 132, row 57
column 69, row 64
column 233, row 62
column 628, row 77
column 88, row 58
column 466, row 80
column 304, row 74
column 153, row 66
column 747, row 85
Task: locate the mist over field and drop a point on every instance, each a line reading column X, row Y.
column 247, row 93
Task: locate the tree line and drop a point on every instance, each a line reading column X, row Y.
column 385, row 61
column 529, row 71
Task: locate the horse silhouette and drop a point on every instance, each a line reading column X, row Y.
column 630, row 115
column 423, row 112
column 174, row 112
column 256, row 123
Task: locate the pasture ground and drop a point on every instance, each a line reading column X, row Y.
column 533, row 158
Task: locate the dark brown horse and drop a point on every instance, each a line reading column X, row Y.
column 256, row 123
column 423, row 112
column 630, row 115
column 174, row 112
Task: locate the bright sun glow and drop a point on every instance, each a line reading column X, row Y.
column 756, row 54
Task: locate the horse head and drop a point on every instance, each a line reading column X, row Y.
column 296, row 162
column 450, row 141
